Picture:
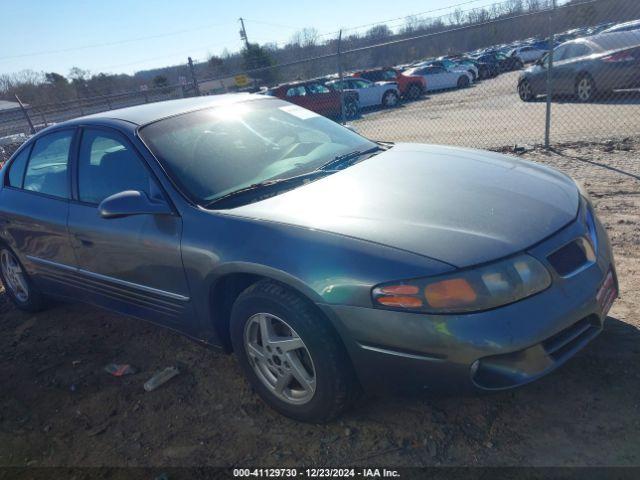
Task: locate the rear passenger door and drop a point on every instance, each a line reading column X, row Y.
column 35, row 207
column 131, row 264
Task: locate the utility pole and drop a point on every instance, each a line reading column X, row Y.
column 193, row 77
column 243, row 33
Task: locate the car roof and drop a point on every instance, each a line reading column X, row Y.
column 604, row 42
column 617, row 27
column 150, row 112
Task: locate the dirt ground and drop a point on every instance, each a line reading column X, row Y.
column 58, row 406
column 490, row 114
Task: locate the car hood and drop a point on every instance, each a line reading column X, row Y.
column 459, row 206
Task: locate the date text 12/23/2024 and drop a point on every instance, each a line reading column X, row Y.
column 315, row 473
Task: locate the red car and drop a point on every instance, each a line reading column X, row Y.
column 317, row 97
column 410, row 86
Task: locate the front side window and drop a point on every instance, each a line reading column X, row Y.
column 48, row 165
column 361, row 84
column 215, row 151
column 17, row 168
column 107, row 165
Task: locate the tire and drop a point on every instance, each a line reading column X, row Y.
column 327, row 385
column 525, row 92
column 463, row 81
column 390, row 99
column 351, row 109
column 414, row 92
column 519, row 65
column 585, row 88
column 17, row 283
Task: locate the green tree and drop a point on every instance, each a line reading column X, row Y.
column 160, row 81
column 256, row 57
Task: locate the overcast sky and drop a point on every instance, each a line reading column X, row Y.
column 125, row 36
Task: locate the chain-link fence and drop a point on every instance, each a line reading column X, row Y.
column 480, row 79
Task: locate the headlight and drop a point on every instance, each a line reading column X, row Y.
column 588, row 216
column 476, row 289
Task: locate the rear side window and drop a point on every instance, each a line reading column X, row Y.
column 17, row 167
column 48, row 165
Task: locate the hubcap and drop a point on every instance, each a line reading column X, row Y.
column 13, row 275
column 525, row 90
column 280, row 358
column 584, row 89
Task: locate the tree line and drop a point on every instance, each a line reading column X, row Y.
column 457, row 32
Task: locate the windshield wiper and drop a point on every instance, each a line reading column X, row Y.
column 342, row 161
column 267, row 184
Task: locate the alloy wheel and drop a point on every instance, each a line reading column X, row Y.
column 390, row 99
column 351, row 110
column 280, row 358
column 584, row 89
column 414, row 92
column 524, row 90
column 14, row 276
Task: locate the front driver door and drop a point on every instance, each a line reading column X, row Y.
column 130, row 264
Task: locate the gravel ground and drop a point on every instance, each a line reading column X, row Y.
column 58, row 406
column 490, row 114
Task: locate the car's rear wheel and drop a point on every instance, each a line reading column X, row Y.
column 525, row 91
column 585, row 89
column 21, row 290
column 519, row 65
column 414, row 92
column 290, row 354
column 390, row 99
column 351, row 109
column 463, row 81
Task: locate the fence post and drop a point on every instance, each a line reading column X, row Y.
column 193, row 77
column 341, row 77
column 26, row 114
column 547, row 122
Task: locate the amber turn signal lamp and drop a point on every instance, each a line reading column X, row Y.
column 455, row 292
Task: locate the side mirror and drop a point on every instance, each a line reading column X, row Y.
column 132, row 202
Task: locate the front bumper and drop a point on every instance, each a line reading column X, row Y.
column 502, row 348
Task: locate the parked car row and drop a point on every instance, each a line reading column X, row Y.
column 585, row 64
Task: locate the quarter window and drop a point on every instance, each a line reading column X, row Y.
column 48, row 165
column 17, row 167
column 106, row 166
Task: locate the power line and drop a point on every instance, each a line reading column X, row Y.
column 109, row 44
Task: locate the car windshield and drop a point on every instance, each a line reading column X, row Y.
column 212, row 152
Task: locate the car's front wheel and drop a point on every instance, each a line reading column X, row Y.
column 463, row 81
column 390, row 99
column 17, row 283
column 524, row 91
column 290, row 354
